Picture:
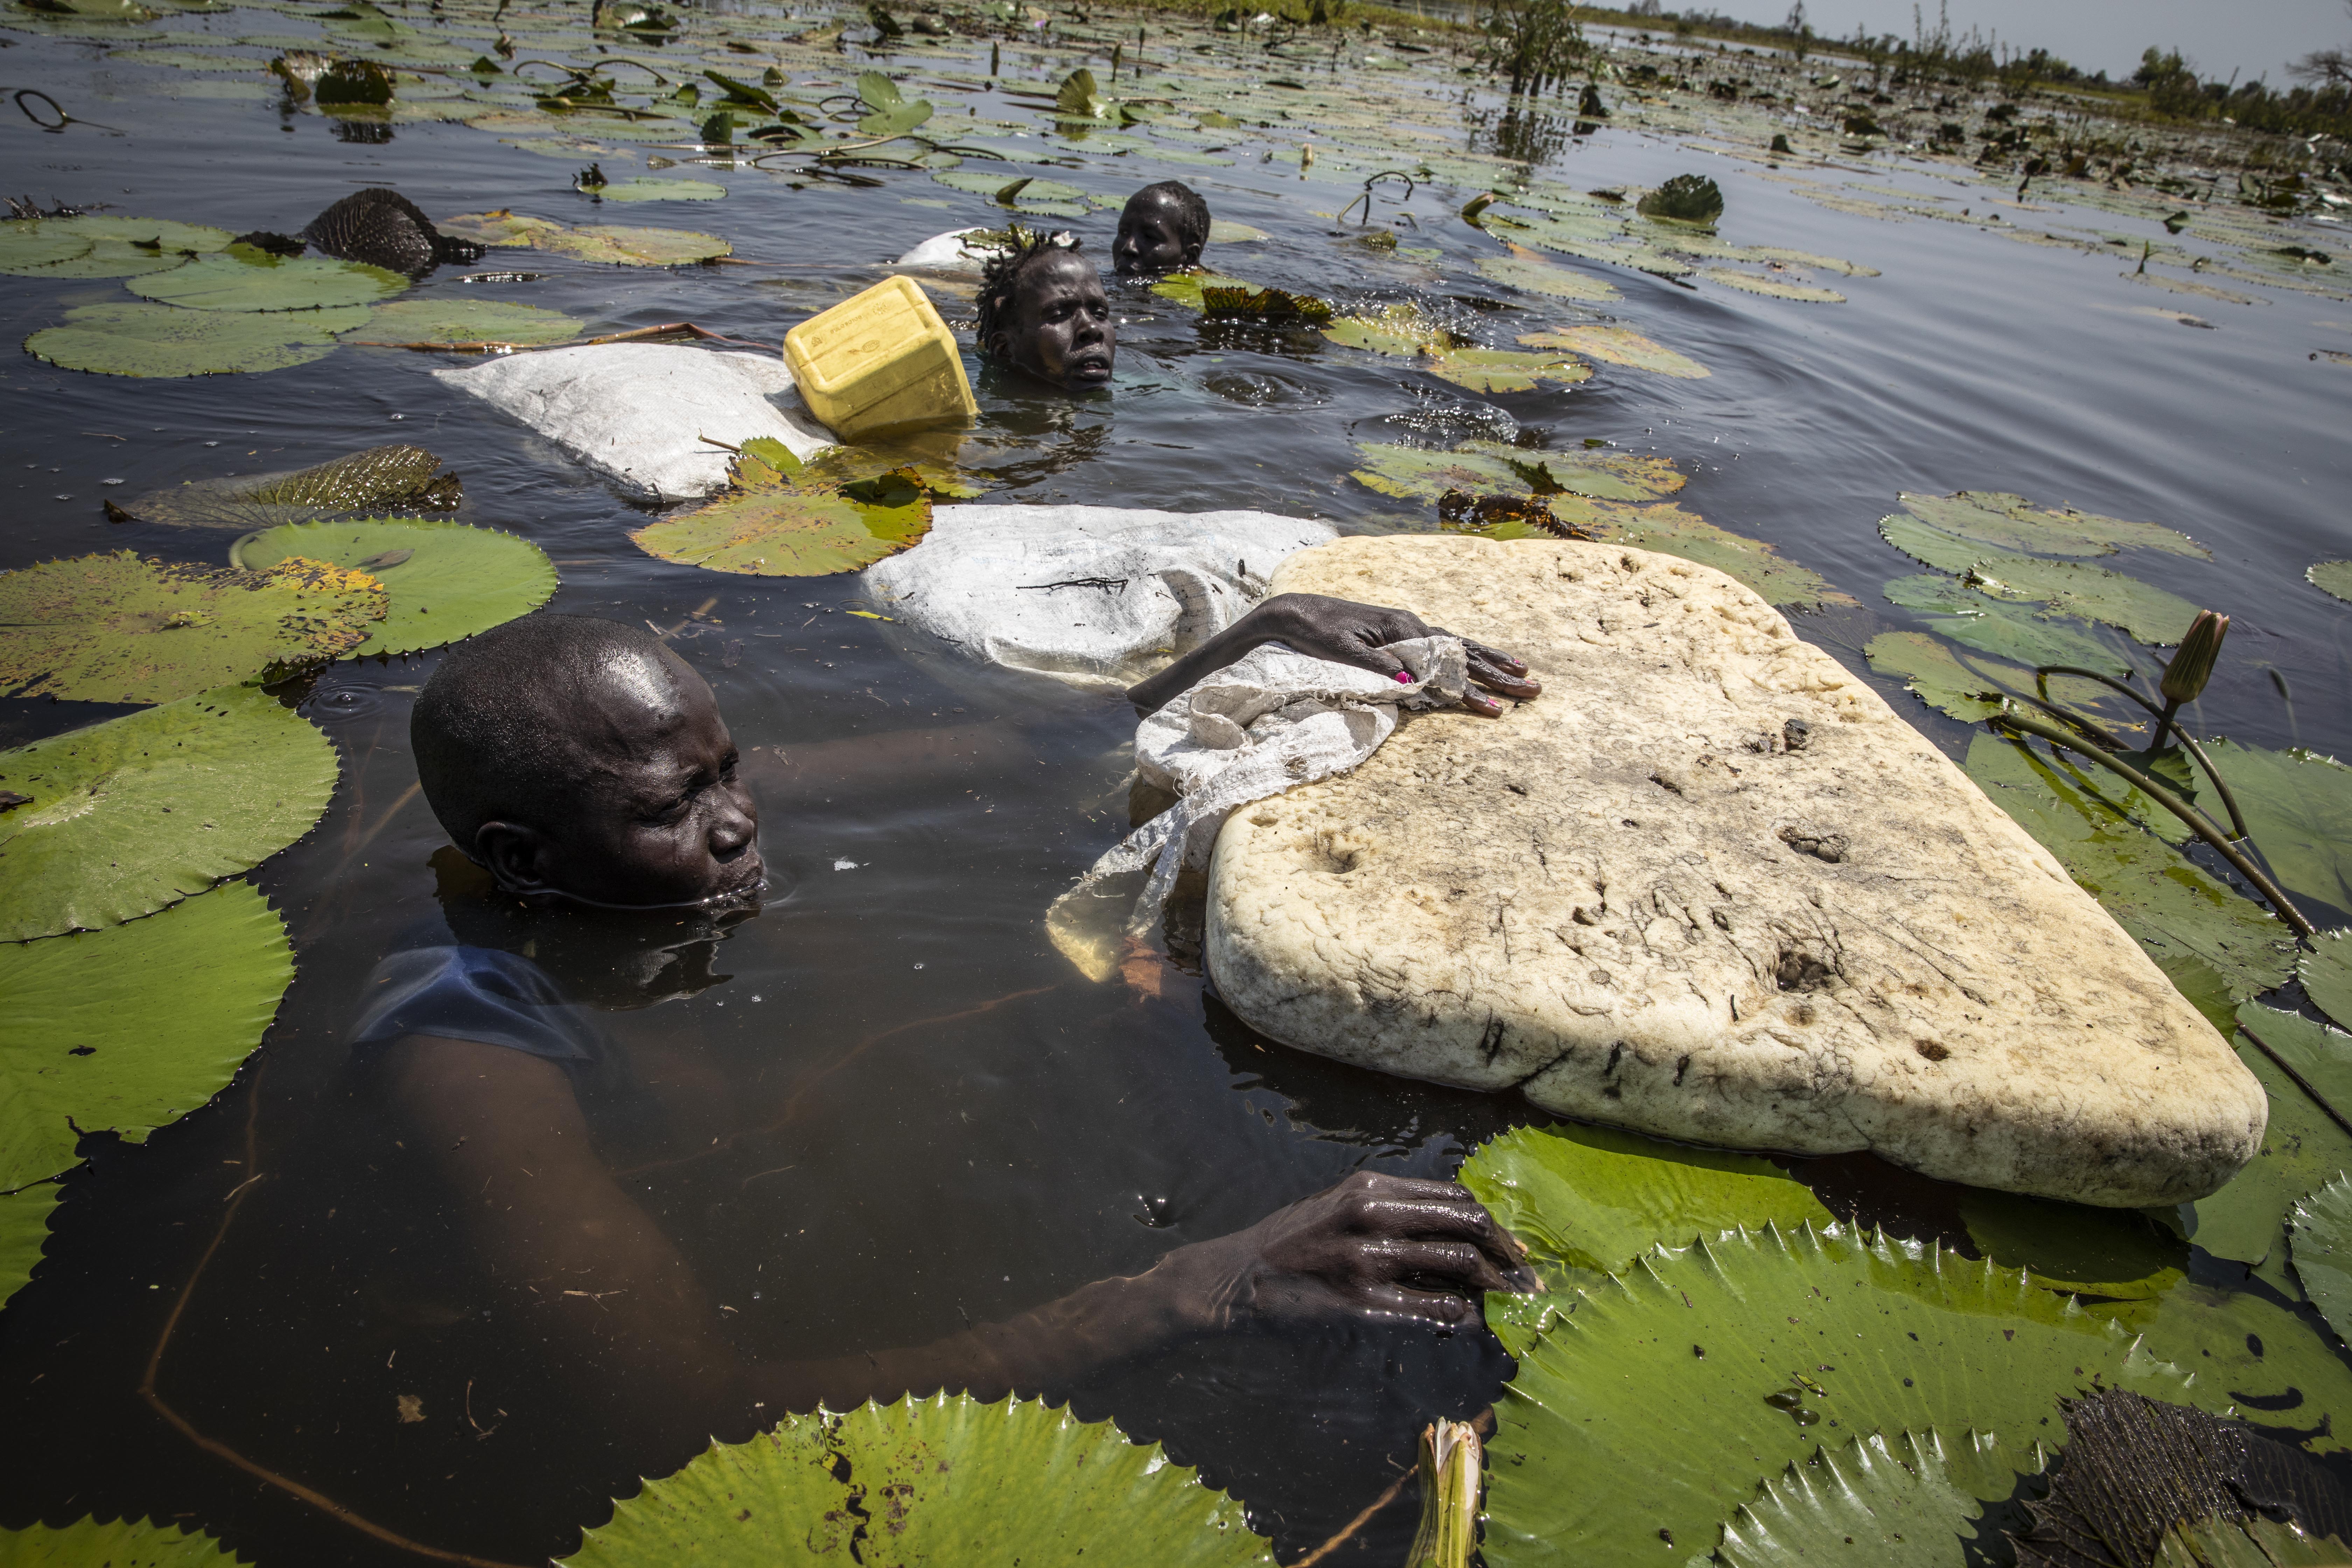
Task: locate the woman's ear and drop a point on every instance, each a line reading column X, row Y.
column 516, row 856
column 1192, row 251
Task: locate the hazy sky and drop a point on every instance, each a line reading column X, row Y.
column 2251, row 36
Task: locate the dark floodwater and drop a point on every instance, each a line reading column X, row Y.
column 920, row 1114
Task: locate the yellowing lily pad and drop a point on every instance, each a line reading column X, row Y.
column 1399, row 329
column 115, row 628
column 1619, row 345
column 245, row 279
column 446, row 580
column 646, row 190
column 1506, row 370
column 633, row 247
column 2332, row 577
column 778, row 519
column 500, row 228
column 153, row 342
column 1523, row 269
column 1772, row 288
column 137, row 813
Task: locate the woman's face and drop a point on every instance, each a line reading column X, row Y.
column 1061, row 324
column 1151, row 236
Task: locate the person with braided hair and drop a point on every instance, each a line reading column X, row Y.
column 1043, row 311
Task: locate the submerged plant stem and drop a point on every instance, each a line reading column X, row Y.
column 2301, row 1082
column 2220, row 785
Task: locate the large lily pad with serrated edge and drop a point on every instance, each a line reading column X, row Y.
column 438, row 319
column 2320, row 1231
column 24, row 1232
column 1586, row 1201
column 102, row 246
column 956, row 1480
column 2093, row 825
column 1910, row 1501
column 1619, row 345
column 2298, row 809
column 244, row 278
column 2333, row 578
column 115, row 628
column 2326, row 976
column 124, row 1029
column 1524, row 270
column 2000, row 627
column 393, row 476
column 140, row 812
column 2008, row 522
column 2303, row 1148
column 1755, row 1343
column 446, row 580
column 633, row 247
column 119, row 1543
column 155, row 341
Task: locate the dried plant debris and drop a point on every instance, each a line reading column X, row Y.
column 446, row 581
column 394, row 477
column 2134, row 1470
column 115, row 628
column 1029, row 1479
column 163, row 341
column 125, row 818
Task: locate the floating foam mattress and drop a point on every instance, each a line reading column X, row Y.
column 1090, row 595
column 639, row 413
column 1710, row 887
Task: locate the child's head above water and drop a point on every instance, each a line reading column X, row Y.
column 1042, row 310
column 1161, row 228
column 580, row 756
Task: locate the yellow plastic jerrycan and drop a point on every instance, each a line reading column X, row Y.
column 878, row 361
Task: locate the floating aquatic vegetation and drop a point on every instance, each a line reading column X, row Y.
column 1619, row 345
column 24, row 1232
column 1188, row 287
column 115, row 628
column 1224, row 231
column 646, row 189
column 1400, row 330
column 1911, row 1501
column 1022, row 192
column 1412, row 473
column 2326, row 976
column 2333, row 578
column 774, row 521
column 468, row 323
column 890, row 113
column 1523, row 269
column 500, row 228
column 1262, row 304
column 125, row 1029
column 99, row 246
column 2092, row 823
column 2298, row 807
column 2001, row 521
column 1970, row 690
column 1586, row 1201
column 152, row 341
column 1684, row 198
column 595, row 242
column 2320, row 1230
column 1772, row 288
column 1503, row 517
column 2062, row 587
column 2253, row 1542
column 120, row 1543
column 1506, row 370
column 446, row 580
column 2304, row 1147
column 1760, row 1340
column 125, row 818
column 1029, row 1480
column 243, row 278
column 393, row 476
column 1997, row 626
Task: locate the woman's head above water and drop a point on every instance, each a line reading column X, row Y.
column 1042, row 310
column 569, row 755
column 1161, row 228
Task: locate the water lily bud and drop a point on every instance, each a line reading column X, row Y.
column 2192, row 665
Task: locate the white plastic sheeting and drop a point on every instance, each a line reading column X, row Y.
column 1272, row 720
column 948, row 253
column 638, row 412
column 1094, row 595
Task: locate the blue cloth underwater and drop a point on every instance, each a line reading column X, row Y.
column 476, row 993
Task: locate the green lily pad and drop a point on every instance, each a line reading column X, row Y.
column 24, row 1232
column 889, row 111
column 2114, row 1254
column 1523, row 269
column 1772, row 288
column 1399, row 329
column 2302, row 1149
column 2248, row 1352
column 115, row 628
column 2204, row 990
column 1224, row 231
column 646, row 190
column 1619, row 345
column 1969, row 689
column 2008, row 522
column 121, row 1544
column 777, row 520
column 957, row 1481
column 2298, row 807
column 438, row 319
column 2331, row 577
column 1912, row 1502
column 2065, row 587
column 244, row 278
column 1671, row 530
column 2250, row 1543
column 98, row 246
column 395, row 475
column 2094, row 826
column 1185, row 287
column 1506, row 370
column 1754, row 1343
column 2320, row 1231
column 140, row 812
column 497, row 228
column 2001, row 628
column 1417, row 473
column 124, row 1029
column 159, row 341
column 448, row 581
column 633, row 247
column 2326, row 974
column 2318, row 1056
column 1586, row 1201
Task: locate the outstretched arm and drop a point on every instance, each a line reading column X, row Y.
column 553, row 1223
column 1338, row 629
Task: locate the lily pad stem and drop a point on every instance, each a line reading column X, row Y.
column 2172, row 802
column 2220, row 785
column 2301, row 1082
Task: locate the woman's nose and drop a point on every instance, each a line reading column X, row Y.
column 736, row 823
